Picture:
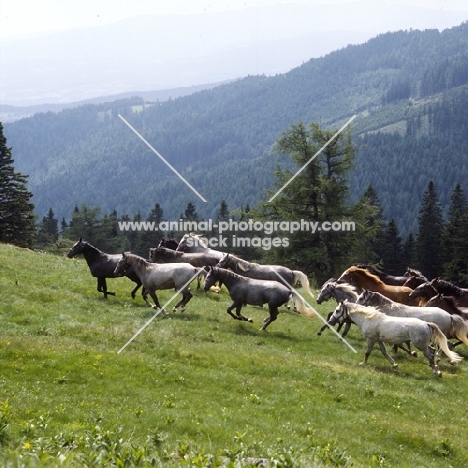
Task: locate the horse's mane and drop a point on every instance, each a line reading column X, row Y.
column 223, row 273
column 413, row 272
column 363, row 272
column 169, row 252
column 449, row 288
column 368, row 311
column 242, row 264
column 371, row 269
column 383, row 299
column 133, row 259
column 347, row 288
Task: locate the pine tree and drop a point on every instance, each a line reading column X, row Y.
column 429, row 238
column 16, row 211
column 455, row 240
column 48, row 230
column 223, row 212
column 318, row 193
column 190, row 213
column 392, row 252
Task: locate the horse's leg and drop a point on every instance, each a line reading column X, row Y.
column 271, row 318
column 370, row 345
column 102, row 287
column 135, row 289
column 406, row 347
column 325, row 326
column 429, row 353
column 238, row 315
column 186, row 296
column 385, row 353
column 153, row 295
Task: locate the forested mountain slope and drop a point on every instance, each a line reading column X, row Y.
column 409, row 84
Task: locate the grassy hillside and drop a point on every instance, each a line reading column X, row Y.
column 200, row 389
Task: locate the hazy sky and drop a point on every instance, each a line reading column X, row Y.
column 30, row 16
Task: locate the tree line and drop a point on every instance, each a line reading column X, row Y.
column 320, row 192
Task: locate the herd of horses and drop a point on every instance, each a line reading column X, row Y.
column 431, row 315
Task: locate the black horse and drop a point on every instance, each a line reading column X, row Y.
column 168, row 243
column 102, row 266
column 256, row 292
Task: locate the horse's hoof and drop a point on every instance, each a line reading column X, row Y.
column 155, row 307
column 182, row 309
column 395, row 365
column 250, row 320
column 414, row 354
column 174, row 309
column 319, row 334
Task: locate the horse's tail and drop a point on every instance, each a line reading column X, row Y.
column 441, row 340
column 302, row 278
column 301, row 306
column 460, row 328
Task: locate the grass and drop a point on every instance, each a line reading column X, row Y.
column 200, row 389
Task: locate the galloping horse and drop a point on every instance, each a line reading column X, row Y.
column 384, row 277
column 380, row 328
column 447, row 303
column 199, row 259
column 452, row 326
column 437, row 286
column 159, row 276
column 362, row 279
column 265, row 272
column 102, row 266
column 340, row 292
column 256, row 292
column 194, row 243
column 168, row 243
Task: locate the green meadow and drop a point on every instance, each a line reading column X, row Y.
column 200, row 389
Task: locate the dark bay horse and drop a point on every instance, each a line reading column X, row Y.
column 168, row 243
column 256, row 292
column 447, row 303
column 264, row 272
column 363, row 279
column 437, row 286
column 156, row 276
column 102, row 266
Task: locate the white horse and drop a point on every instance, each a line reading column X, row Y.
column 160, row 276
column 380, row 328
column 452, row 326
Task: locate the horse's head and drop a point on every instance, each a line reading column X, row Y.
column 326, row 292
column 211, row 278
column 153, row 254
column 77, row 248
column 169, row 243
column 340, row 314
column 122, row 265
column 425, row 290
column 365, row 298
column 224, row 262
column 191, row 241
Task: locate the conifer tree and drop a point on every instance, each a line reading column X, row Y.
column 318, row 193
column 429, row 238
column 392, row 252
column 455, row 239
column 16, row 210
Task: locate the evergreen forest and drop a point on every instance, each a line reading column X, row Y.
column 399, row 170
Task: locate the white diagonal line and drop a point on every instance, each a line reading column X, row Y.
column 312, row 158
column 283, row 281
column 158, row 312
column 161, row 157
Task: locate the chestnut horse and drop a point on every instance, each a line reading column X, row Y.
column 363, row 279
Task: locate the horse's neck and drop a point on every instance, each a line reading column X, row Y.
column 446, row 287
column 341, row 294
column 92, row 254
